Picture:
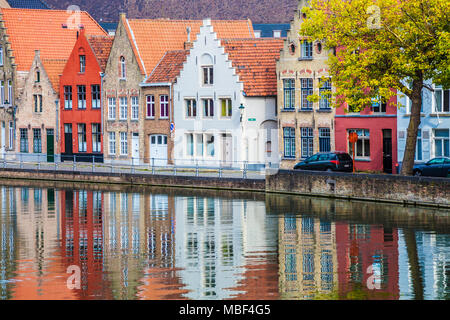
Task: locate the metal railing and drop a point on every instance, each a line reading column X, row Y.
column 153, row 166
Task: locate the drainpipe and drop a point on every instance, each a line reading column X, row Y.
column 102, row 75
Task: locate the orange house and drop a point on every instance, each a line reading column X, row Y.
column 80, row 94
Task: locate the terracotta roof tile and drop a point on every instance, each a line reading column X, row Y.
column 101, row 45
column 255, row 63
column 152, row 38
column 45, row 30
column 169, row 67
column 54, row 68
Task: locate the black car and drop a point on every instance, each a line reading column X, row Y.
column 437, row 167
column 327, row 161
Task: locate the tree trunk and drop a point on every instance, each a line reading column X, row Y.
column 413, row 128
column 414, row 266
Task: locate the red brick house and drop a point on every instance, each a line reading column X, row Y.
column 81, row 99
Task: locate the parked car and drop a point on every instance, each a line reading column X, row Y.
column 327, row 161
column 437, row 167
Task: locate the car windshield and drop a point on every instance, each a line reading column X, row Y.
column 436, row 161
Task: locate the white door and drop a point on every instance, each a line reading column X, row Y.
column 3, row 142
column 158, row 149
column 135, row 148
column 227, row 156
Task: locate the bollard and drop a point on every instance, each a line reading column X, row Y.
column 244, row 171
column 74, row 162
column 93, row 163
column 39, row 162
column 220, row 170
column 132, row 165
column 153, row 165
column 174, row 169
column 196, row 168
column 20, row 158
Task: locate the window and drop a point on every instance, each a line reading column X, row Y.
column 81, row 91
column 208, row 108
column 441, row 100
column 379, row 105
column 82, row 63
column 112, row 142
column 23, row 140
column 200, row 145
column 37, row 102
column 325, row 93
column 37, row 141
column 1, row 55
column 123, row 106
column 362, row 145
column 208, row 75
column 111, row 108
column 257, row 33
column 134, row 108
column 191, row 108
column 96, row 138
column 67, row 97
column 122, row 68
column 2, row 92
column 276, row 33
column 210, row 145
column 190, row 144
column 150, row 106
column 81, row 137
column 324, row 140
column 123, row 143
column 418, row 155
column 10, row 93
column 307, row 142
column 164, row 106
column 307, row 90
column 11, row 134
column 226, row 108
column 289, row 142
column 289, row 93
column 38, row 76
column 95, row 92
column 441, row 143
column 307, row 49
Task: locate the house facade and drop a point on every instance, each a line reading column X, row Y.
column 8, row 80
column 81, row 99
column 219, row 113
column 433, row 139
column 157, row 93
column 138, row 46
column 39, row 61
column 305, row 127
column 376, row 126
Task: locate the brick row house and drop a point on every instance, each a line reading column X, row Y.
column 305, row 127
column 138, row 46
column 81, row 97
column 38, row 42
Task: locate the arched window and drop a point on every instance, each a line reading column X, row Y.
column 207, row 62
column 122, row 68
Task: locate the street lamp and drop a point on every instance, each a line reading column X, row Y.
column 241, row 110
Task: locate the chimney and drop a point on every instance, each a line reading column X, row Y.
column 37, row 53
column 188, row 44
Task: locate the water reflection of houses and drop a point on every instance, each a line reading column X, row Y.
column 212, row 247
column 307, row 257
column 361, row 246
column 8, row 231
column 82, row 239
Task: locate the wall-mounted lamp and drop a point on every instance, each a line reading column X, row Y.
column 241, row 110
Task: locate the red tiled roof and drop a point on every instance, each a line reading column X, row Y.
column 101, row 45
column 255, row 63
column 54, row 68
column 48, row 31
column 152, row 38
column 169, row 67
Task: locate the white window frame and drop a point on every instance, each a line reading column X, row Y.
column 123, row 108
column 68, row 104
column 208, row 79
column 10, row 94
column 82, row 63
column 124, row 143
column 111, row 108
column 11, row 134
column 164, row 105
column 95, row 102
column 191, row 108
column 228, row 108
column 150, row 106
column 2, row 92
column 82, row 94
column 134, row 108
column 434, row 100
column 112, row 142
column 363, row 137
column 123, row 67
column 442, row 139
column 207, row 115
column 1, row 56
column 96, row 134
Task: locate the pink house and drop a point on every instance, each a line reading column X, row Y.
column 376, row 148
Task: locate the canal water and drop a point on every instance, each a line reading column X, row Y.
column 99, row 242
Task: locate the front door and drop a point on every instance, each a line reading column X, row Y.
column 135, row 148
column 387, row 150
column 227, row 156
column 158, row 150
column 68, row 141
column 50, row 145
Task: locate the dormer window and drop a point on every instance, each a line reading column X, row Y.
column 82, row 63
column 257, row 33
column 122, row 68
column 277, row 34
